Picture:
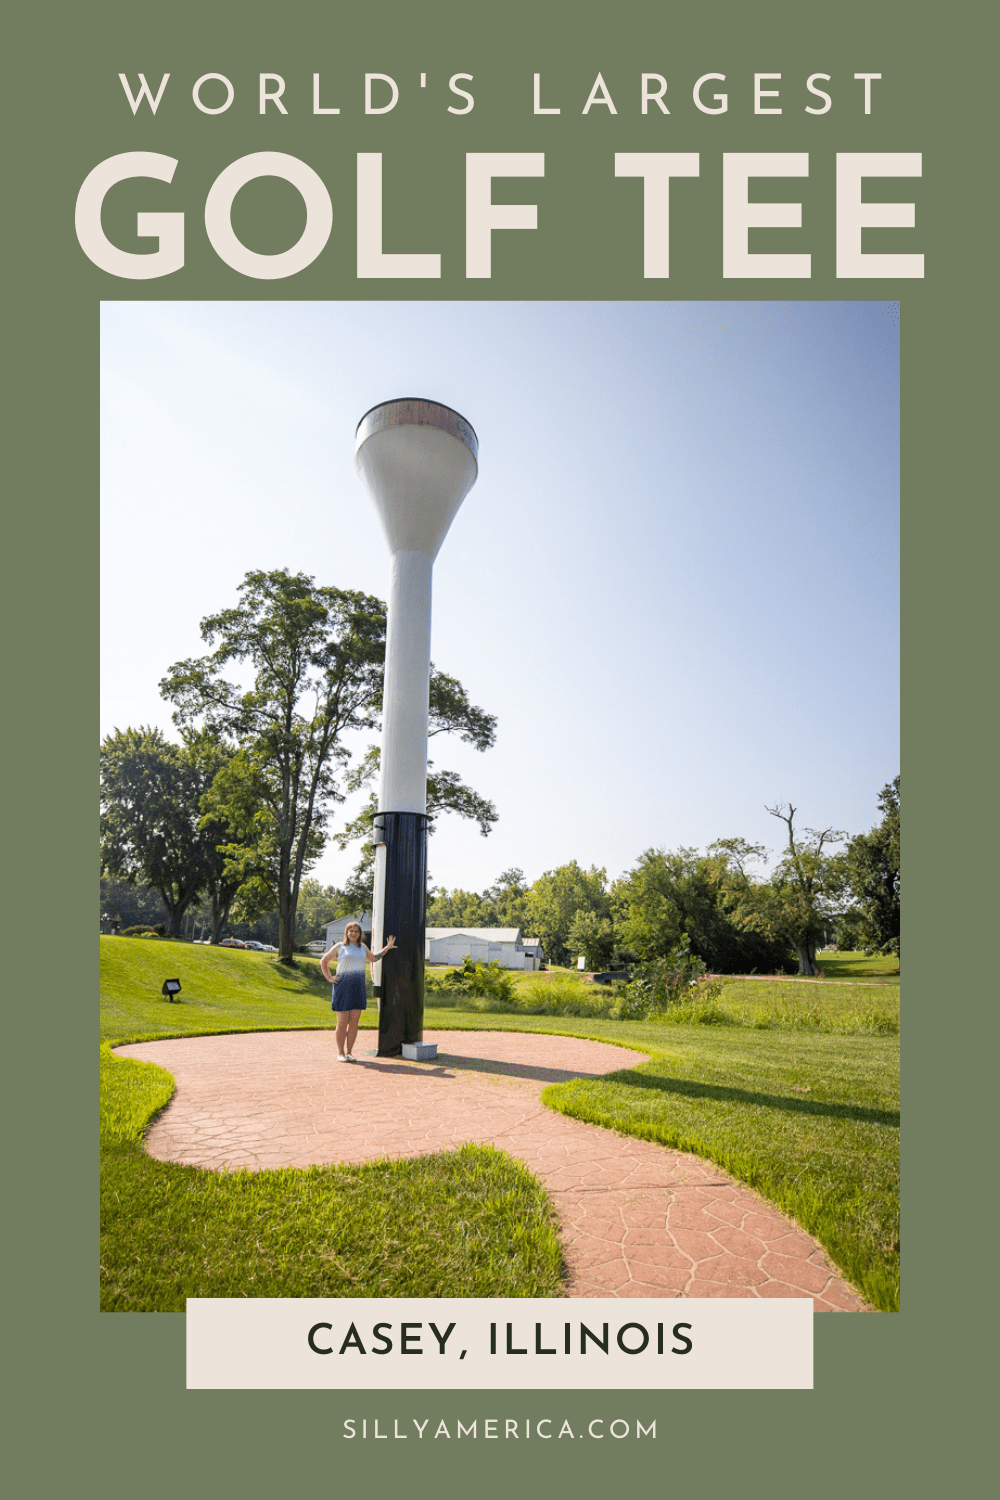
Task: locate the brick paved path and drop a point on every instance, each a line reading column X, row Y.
column 637, row 1219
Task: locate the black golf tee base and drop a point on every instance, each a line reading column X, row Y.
column 401, row 1000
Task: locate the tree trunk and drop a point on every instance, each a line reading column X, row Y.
column 175, row 911
column 286, row 921
column 220, row 916
column 807, row 959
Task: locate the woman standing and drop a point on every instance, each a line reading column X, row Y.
column 348, row 997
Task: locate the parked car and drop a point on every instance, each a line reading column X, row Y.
column 232, row 943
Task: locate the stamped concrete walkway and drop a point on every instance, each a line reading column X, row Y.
column 637, row 1219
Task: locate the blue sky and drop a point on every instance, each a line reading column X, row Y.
column 675, row 581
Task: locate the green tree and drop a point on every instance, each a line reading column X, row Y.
column 649, row 902
column 804, row 895
column 502, row 905
column 151, row 815
column 593, row 936
column 458, row 908
column 556, row 898
column 670, row 896
column 317, row 904
column 507, row 898
column 314, row 656
column 449, row 712
column 849, row 930
column 873, row 873
column 130, row 905
column 315, row 659
column 248, row 800
column 222, row 878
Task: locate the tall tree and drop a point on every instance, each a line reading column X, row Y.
column 222, row 878
column 804, row 894
column 315, row 659
column 670, row 894
column 556, row 898
column 151, row 816
column 873, row 872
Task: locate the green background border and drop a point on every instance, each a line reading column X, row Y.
column 105, row 1395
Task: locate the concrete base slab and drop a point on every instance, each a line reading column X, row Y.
column 420, row 1051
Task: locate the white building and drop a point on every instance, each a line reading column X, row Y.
column 502, row 945
column 337, row 926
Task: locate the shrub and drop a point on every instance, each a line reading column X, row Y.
column 662, row 984
column 144, row 930
column 481, row 980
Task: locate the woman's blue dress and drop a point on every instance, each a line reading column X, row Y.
column 349, row 991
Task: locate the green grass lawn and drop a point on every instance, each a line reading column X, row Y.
column 795, row 1091
column 858, row 966
column 858, row 1009
column 223, row 989
column 810, row 1121
column 779, row 1004
column 468, row 1223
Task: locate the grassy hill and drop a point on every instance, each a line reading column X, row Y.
column 223, row 989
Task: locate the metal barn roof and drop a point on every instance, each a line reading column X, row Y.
column 481, row 934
